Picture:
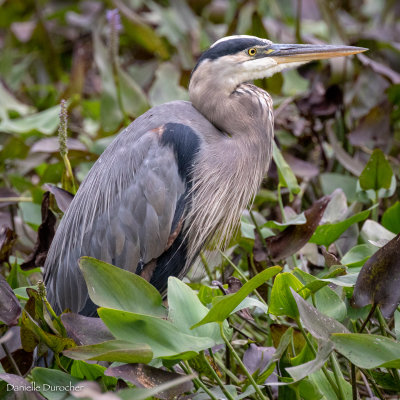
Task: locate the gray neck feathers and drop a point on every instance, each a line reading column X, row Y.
column 230, row 166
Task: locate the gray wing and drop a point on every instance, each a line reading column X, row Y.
column 122, row 214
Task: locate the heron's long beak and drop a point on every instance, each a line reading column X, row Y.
column 288, row 53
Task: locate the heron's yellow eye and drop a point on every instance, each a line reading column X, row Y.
column 252, row 51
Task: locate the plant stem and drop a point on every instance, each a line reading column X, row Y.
column 338, row 375
column 206, row 266
column 239, row 361
column 16, row 199
column 353, row 381
column 280, row 202
column 240, row 273
column 324, row 370
column 197, row 382
column 215, row 376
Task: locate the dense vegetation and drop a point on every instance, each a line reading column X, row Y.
column 306, row 294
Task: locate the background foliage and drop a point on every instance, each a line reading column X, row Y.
column 328, row 212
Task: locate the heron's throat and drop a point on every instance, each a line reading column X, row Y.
column 230, row 167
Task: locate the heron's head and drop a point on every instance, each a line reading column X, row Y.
column 236, row 59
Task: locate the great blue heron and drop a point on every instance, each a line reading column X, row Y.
column 178, row 176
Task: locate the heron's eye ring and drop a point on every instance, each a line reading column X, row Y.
column 252, row 51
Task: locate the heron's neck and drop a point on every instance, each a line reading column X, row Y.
column 230, row 167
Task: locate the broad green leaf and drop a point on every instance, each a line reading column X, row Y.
column 378, row 280
column 45, row 122
column 298, row 220
column 377, row 174
column 166, row 86
column 374, row 232
column 185, row 309
column 358, row 255
column 391, row 218
column 113, row 287
column 281, row 301
column 313, row 283
column 319, row 379
column 331, row 181
column 113, row 350
column 8, row 102
column 286, row 175
column 166, row 340
column 326, row 300
column 368, row 351
column 328, row 233
column 133, row 98
column 318, row 324
column 141, row 33
column 221, row 310
column 325, row 348
column 44, row 378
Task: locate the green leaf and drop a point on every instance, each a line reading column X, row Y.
column 328, row 233
column 166, row 86
column 368, row 351
column 221, row 310
column 185, row 309
column 8, row 102
column 281, row 301
column 391, row 218
column 166, row 340
column 286, row 175
column 45, row 122
column 358, row 255
column 325, row 348
column 377, row 174
column 331, row 181
column 112, row 351
column 318, row 324
column 133, row 98
column 46, row 377
column 113, row 287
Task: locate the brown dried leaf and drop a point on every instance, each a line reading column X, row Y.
column 146, row 376
column 45, row 236
column 85, row 330
column 379, row 279
column 294, row 237
column 7, row 239
column 63, row 197
column 10, row 310
column 52, row 145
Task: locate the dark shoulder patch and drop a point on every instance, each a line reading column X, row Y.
column 227, row 47
column 185, row 143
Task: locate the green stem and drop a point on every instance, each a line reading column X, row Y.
column 197, row 382
column 324, row 370
column 338, row 375
column 239, row 361
column 240, row 273
column 280, row 202
column 68, row 169
column 206, row 266
column 215, row 376
column 353, row 381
